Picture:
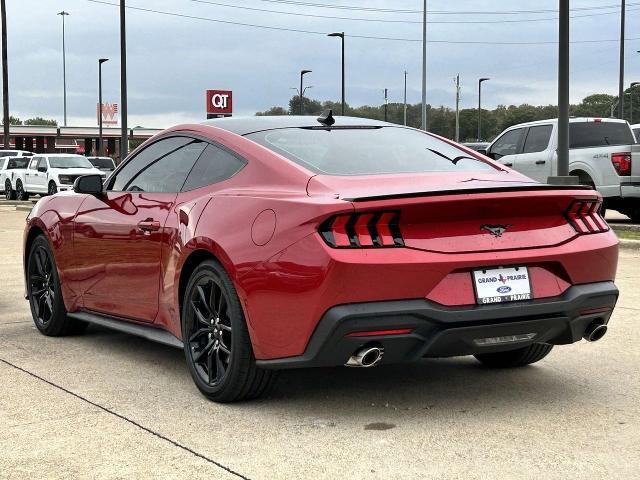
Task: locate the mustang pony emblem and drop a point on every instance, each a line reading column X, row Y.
column 495, row 230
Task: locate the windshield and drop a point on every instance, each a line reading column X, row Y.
column 69, row 162
column 367, row 151
column 102, row 162
column 19, row 162
column 599, row 134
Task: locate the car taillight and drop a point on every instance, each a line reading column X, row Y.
column 584, row 216
column 622, row 163
column 363, row 230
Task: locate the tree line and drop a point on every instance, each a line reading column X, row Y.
column 442, row 120
column 33, row 121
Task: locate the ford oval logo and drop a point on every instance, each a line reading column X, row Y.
column 503, row 289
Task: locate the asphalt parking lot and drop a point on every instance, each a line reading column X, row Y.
column 107, row 405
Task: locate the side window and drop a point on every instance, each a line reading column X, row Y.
column 43, row 163
column 508, row 143
column 161, row 167
column 34, row 163
column 537, row 139
column 214, row 165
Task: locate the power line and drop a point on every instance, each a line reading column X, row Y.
column 380, row 20
column 315, row 32
column 432, row 12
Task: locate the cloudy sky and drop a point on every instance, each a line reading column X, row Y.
column 173, row 59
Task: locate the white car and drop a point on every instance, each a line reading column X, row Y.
column 106, row 164
column 601, row 154
column 10, row 168
column 48, row 174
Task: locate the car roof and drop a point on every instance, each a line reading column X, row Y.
column 571, row 120
column 246, row 125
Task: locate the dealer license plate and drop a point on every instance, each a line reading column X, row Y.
column 498, row 285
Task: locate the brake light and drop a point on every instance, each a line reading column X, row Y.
column 584, row 216
column 622, row 163
column 363, row 230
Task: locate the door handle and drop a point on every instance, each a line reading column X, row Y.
column 149, row 225
column 541, row 162
column 508, row 164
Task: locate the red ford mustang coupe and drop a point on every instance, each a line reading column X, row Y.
column 268, row 243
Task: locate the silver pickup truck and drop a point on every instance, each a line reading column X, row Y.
column 602, row 153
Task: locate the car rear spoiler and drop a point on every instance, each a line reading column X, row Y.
column 473, row 189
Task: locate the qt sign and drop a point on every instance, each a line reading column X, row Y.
column 219, row 103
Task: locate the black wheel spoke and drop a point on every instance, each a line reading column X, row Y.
column 203, row 298
column 224, row 327
column 220, row 369
column 210, row 367
column 198, row 334
column 204, row 351
column 39, row 265
column 224, row 349
column 201, row 318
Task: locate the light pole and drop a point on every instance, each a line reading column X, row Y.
column 341, row 35
column 563, row 98
column 405, row 98
column 301, row 91
column 100, row 143
column 386, row 103
column 424, row 66
column 124, row 134
column 5, row 78
column 621, row 74
column 64, row 68
column 480, row 107
column 457, row 83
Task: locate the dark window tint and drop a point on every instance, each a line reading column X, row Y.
column 15, row 163
column 161, row 167
column 508, row 143
column 367, row 151
column 213, row 166
column 599, row 134
column 8, row 154
column 636, row 131
column 537, row 139
column 42, row 163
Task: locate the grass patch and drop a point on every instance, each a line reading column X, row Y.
column 627, row 235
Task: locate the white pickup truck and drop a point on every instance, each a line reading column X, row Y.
column 601, row 154
column 48, row 174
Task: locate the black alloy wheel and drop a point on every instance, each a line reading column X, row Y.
column 210, row 331
column 53, row 189
column 9, row 194
column 216, row 339
column 20, row 193
column 45, row 294
column 42, row 282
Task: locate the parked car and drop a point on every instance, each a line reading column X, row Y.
column 601, row 154
column 636, row 131
column 266, row 243
column 476, row 145
column 13, row 167
column 48, row 174
column 104, row 164
column 15, row 153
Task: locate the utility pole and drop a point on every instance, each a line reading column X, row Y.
column 424, row 66
column 341, row 35
column 405, row 99
column 457, row 81
column 621, row 75
column 124, row 133
column 562, row 175
column 64, row 68
column 386, row 101
column 633, row 84
column 5, row 79
column 480, row 107
column 100, row 140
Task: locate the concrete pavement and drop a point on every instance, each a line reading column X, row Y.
column 107, row 405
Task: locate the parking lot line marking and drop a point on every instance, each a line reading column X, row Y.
column 122, row 417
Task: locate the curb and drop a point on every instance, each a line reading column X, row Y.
column 629, row 244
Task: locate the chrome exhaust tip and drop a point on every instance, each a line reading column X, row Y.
column 366, row 357
column 595, row 331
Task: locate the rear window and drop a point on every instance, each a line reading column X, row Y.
column 102, row 162
column 367, row 151
column 19, row 162
column 636, row 131
column 599, row 134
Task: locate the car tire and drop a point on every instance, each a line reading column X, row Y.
column 45, row 295
column 53, row 188
column 9, row 193
column 21, row 194
column 515, row 358
column 214, row 332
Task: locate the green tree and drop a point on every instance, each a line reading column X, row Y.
column 41, row 121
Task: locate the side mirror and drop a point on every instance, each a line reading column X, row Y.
column 42, row 169
column 482, row 151
column 89, row 184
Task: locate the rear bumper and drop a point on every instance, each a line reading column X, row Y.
column 438, row 331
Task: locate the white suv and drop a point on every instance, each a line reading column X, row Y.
column 601, row 154
column 48, row 174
